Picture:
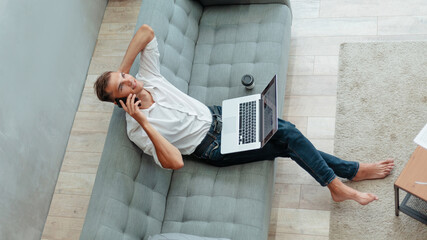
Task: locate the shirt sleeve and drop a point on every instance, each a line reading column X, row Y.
column 138, row 136
column 149, row 63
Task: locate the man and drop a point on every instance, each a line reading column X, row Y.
column 166, row 123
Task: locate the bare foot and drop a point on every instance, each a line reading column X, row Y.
column 341, row 192
column 374, row 170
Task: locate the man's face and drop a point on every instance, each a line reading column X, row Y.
column 121, row 85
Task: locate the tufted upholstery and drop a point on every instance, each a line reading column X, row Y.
column 236, row 2
column 204, row 51
column 176, row 26
column 234, row 41
column 231, row 202
column 129, row 196
column 181, row 236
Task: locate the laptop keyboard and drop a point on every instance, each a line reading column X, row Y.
column 247, row 121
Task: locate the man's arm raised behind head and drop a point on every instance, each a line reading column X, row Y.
column 141, row 38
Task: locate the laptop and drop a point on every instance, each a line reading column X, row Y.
column 249, row 122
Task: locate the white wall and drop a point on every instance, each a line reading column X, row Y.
column 45, row 50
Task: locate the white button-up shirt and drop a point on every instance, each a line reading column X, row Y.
column 181, row 119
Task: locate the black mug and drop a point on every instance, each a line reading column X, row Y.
column 248, row 81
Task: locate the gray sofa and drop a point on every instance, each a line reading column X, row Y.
column 205, row 48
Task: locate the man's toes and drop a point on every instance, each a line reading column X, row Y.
column 388, row 171
column 389, row 161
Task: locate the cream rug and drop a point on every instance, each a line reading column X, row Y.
column 381, row 106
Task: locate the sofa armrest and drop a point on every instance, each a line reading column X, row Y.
column 237, row 2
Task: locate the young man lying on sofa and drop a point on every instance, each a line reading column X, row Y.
column 166, row 124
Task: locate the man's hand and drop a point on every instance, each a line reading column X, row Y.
column 132, row 108
column 169, row 156
column 139, row 41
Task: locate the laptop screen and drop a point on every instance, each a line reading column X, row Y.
column 269, row 100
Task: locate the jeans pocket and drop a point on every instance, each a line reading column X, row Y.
column 209, row 151
column 213, row 151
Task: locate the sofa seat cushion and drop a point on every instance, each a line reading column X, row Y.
column 180, row 236
column 129, row 196
column 235, row 40
column 230, row 202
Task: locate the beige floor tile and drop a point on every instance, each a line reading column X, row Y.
column 301, row 65
column 300, row 221
column 314, row 106
column 59, row 228
column 89, row 102
column 90, row 80
column 349, row 8
column 120, row 14
column 334, row 27
column 321, row 127
column 86, row 141
column 314, row 85
column 402, row 25
column 330, row 46
column 75, row 183
column 286, row 195
column 299, row 122
column 99, row 65
column 92, row 121
column 324, row 145
column 315, row 198
column 326, row 65
column 399, row 38
column 73, row 206
column 111, row 47
column 288, row 236
column 116, row 31
column 124, row 3
column 395, row 8
column 285, row 165
column 312, row 46
column 305, row 9
column 288, row 172
column 81, row 162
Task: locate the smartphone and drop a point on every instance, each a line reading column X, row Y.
column 124, row 99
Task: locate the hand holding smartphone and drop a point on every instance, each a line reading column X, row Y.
column 124, row 99
column 131, row 108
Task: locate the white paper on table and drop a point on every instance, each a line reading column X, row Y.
column 421, row 138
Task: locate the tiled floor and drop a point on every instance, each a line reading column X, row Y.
column 301, row 208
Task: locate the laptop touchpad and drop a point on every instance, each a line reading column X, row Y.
column 229, row 125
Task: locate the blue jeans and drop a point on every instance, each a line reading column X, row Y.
column 288, row 141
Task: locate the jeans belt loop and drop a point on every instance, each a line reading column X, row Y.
column 210, row 137
column 216, row 116
column 218, row 125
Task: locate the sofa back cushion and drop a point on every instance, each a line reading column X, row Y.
column 176, row 26
column 235, row 40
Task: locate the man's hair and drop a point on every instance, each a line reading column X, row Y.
column 100, row 85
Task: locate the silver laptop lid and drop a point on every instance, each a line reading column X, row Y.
column 268, row 104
